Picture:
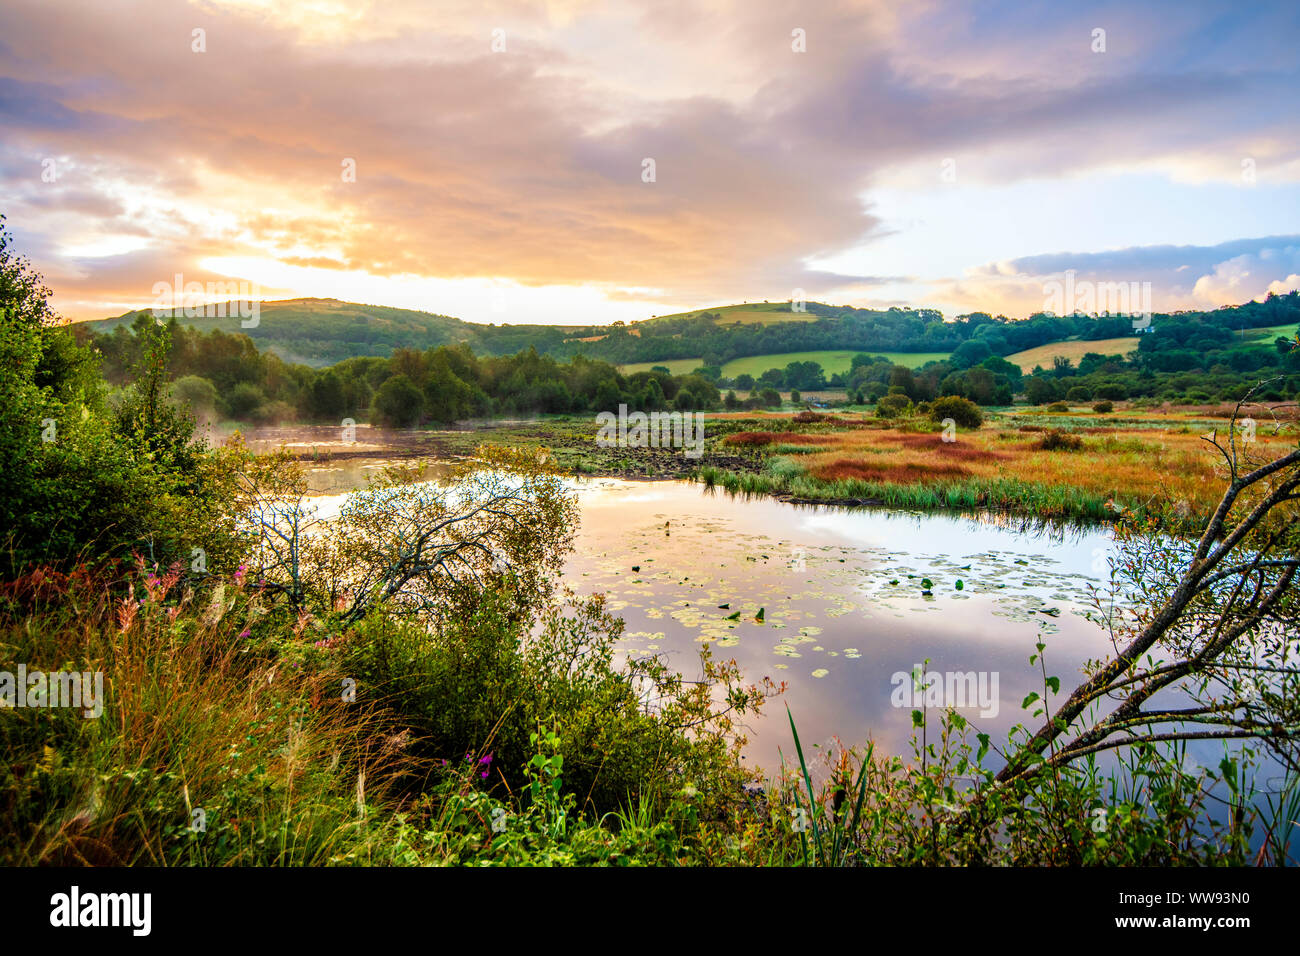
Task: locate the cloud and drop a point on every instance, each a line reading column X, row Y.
column 527, row 164
column 1180, row 277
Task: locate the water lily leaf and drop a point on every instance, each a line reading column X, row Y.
column 959, row 584
column 759, row 616
column 734, row 617
column 927, row 583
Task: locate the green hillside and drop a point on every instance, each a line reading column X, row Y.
column 831, row 361
column 748, row 313
column 322, row 332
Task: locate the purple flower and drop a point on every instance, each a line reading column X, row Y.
column 484, row 774
column 486, row 760
column 244, row 633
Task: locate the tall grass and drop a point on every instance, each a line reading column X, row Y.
column 786, row 478
column 209, row 750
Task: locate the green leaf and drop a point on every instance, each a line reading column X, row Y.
column 1033, row 696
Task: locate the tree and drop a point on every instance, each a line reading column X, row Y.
column 447, row 399
column 415, row 546
column 1215, row 618
column 325, row 400
column 77, row 481
column 244, row 400
column 398, row 403
column 1039, row 390
column 196, row 392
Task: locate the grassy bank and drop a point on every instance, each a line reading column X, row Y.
column 786, row 480
column 225, row 739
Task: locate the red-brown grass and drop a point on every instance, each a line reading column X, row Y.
column 907, row 473
column 754, row 439
column 953, row 450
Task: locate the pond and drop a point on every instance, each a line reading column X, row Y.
column 844, row 617
column 832, row 601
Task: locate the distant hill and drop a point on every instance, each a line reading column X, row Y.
column 741, row 336
column 321, row 332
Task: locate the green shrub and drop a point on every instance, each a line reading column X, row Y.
column 1057, row 440
column 892, row 406
column 1058, row 407
column 1103, row 407
column 244, row 400
column 1078, row 393
column 961, row 410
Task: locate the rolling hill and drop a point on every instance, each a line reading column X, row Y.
column 320, row 332
column 831, row 361
column 1073, row 350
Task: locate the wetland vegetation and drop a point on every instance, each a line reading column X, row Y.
column 503, row 663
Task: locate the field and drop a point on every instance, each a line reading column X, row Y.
column 749, row 313
column 675, row 366
column 1149, row 463
column 837, row 360
column 1073, row 350
column 1268, row 334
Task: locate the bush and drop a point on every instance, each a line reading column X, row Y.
column 961, row 410
column 398, row 403
column 770, row 397
column 1103, row 407
column 1079, row 393
column 275, row 413
column 1113, row 391
column 892, row 406
column 1057, row 440
column 1058, row 407
column 196, row 392
column 244, row 400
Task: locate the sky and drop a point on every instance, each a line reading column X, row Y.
column 584, row 162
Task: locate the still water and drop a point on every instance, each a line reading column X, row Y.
column 844, row 617
column 844, row 614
